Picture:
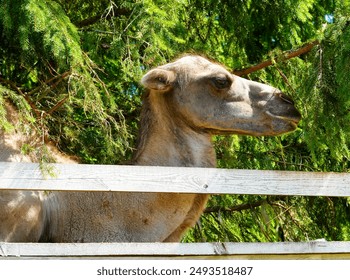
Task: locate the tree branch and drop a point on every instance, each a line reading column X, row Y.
column 58, row 105
column 54, row 82
column 92, row 20
column 284, row 57
column 57, row 79
column 25, row 96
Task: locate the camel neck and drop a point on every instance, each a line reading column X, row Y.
column 163, row 141
column 177, row 149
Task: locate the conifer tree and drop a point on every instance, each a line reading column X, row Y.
column 45, row 72
column 72, row 68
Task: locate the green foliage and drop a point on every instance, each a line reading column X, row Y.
column 43, row 61
column 42, row 29
column 73, row 67
column 328, row 102
column 4, row 123
column 243, row 32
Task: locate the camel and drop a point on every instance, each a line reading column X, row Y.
column 186, row 102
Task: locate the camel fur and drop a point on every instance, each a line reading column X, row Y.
column 185, row 104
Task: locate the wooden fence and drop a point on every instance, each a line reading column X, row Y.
column 68, row 177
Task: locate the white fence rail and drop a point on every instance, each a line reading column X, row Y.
column 83, row 177
column 223, row 250
column 71, row 177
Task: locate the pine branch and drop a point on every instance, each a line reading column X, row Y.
column 57, row 79
column 58, row 105
column 25, row 96
column 286, row 56
column 92, row 20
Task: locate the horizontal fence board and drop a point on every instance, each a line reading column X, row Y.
column 74, row 177
column 83, row 177
column 171, row 249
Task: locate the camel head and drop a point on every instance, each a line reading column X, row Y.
column 208, row 98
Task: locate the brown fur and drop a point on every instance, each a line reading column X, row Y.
column 187, row 101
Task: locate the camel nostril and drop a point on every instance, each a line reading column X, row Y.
column 284, row 108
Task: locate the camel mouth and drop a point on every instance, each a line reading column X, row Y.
column 292, row 119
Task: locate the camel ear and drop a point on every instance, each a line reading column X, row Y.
column 159, row 79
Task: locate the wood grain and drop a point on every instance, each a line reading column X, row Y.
column 74, row 177
column 80, row 177
column 172, row 249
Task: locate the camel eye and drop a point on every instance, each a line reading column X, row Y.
column 221, row 82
